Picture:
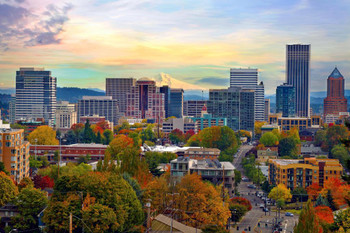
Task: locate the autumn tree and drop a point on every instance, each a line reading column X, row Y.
column 269, row 139
column 280, row 192
column 30, row 202
column 308, row 221
column 118, row 145
column 157, row 190
column 288, row 147
column 176, row 136
column 25, row 182
column 325, row 214
column 257, row 128
column 3, row 169
column 341, row 153
column 44, row 135
column 313, row 191
column 200, row 202
column 334, row 135
column 8, row 189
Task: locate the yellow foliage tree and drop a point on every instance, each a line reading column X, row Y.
column 280, row 192
column 157, row 190
column 44, row 135
column 200, row 203
column 257, row 127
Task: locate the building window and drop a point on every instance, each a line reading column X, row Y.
column 8, row 144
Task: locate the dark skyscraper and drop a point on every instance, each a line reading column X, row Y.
column 335, row 102
column 285, row 100
column 35, row 94
column 166, row 91
column 118, row 89
column 176, row 103
column 298, row 75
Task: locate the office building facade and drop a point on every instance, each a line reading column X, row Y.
column 35, row 95
column 234, row 104
column 166, row 91
column 335, row 102
column 267, row 109
column 298, row 76
column 285, row 100
column 248, row 79
column 118, row 88
column 99, row 105
column 176, row 102
column 193, row 108
column 145, row 101
column 66, row 115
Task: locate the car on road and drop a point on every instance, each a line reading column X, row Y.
column 262, row 206
column 251, row 186
column 289, row 214
column 245, row 179
column 266, row 210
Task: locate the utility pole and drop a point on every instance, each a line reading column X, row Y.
column 148, row 206
column 70, row 222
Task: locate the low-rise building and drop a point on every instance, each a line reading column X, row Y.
column 31, row 125
column 183, row 124
column 200, row 153
column 266, row 153
column 301, row 123
column 210, row 170
column 269, row 128
column 309, row 149
column 308, row 134
column 14, row 153
column 70, row 152
column 66, row 115
column 302, row 173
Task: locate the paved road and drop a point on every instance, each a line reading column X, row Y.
column 256, row 215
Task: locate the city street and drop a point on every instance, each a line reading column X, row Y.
column 256, row 214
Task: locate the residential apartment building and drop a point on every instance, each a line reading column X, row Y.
column 234, row 104
column 118, row 89
column 335, row 102
column 35, row 95
column 145, row 101
column 301, row 123
column 193, row 108
column 211, row 170
column 298, row 76
column 14, row 152
column 66, row 115
column 248, row 79
column 302, row 173
column 285, row 100
column 99, row 105
column 176, row 102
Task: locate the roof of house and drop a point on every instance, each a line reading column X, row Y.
column 177, row 225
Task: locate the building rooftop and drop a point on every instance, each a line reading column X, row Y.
column 212, row 164
column 172, row 149
column 203, row 149
column 285, row 161
column 335, row 74
column 97, row 97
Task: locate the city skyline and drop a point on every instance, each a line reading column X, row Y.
column 82, row 44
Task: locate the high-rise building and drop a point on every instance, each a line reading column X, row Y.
column 267, row 109
column 12, row 108
column 118, row 89
column 166, row 91
column 193, row 108
column 145, row 101
column 176, row 102
column 298, row 75
column 335, row 102
column 99, row 105
column 35, row 94
column 248, row 79
column 66, row 115
column 14, row 152
column 235, row 104
column 285, row 100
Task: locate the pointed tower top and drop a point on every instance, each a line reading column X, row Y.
column 335, row 74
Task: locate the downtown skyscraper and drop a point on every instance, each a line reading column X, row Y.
column 248, row 79
column 35, row 95
column 298, row 76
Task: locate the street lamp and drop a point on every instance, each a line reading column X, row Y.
column 36, row 142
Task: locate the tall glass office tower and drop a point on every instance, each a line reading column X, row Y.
column 176, row 102
column 35, row 95
column 298, row 75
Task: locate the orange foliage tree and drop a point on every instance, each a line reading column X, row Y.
column 336, row 187
column 325, row 214
column 313, row 191
column 119, row 144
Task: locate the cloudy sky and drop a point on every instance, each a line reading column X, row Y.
column 84, row 41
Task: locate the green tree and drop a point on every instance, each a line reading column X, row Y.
column 30, row 203
column 35, row 163
column 100, row 218
column 107, row 136
column 269, row 139
column 237, row 212
column 299, row 194
column 308, row 221
column 148, row 134
column 334, row 136
column 25, row 182
column 3, row 169
column 8, row 189
column 330, row 201
column 98, row 138
column 238, row 177
column 321, row 201
column 176, row 136
column 84, row 158
column 88, row 134
column 341, row 153
column 288, row 147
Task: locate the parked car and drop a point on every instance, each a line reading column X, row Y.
column 262, row 206
column 251, row 186
column 266, row 210
column 289, row 214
